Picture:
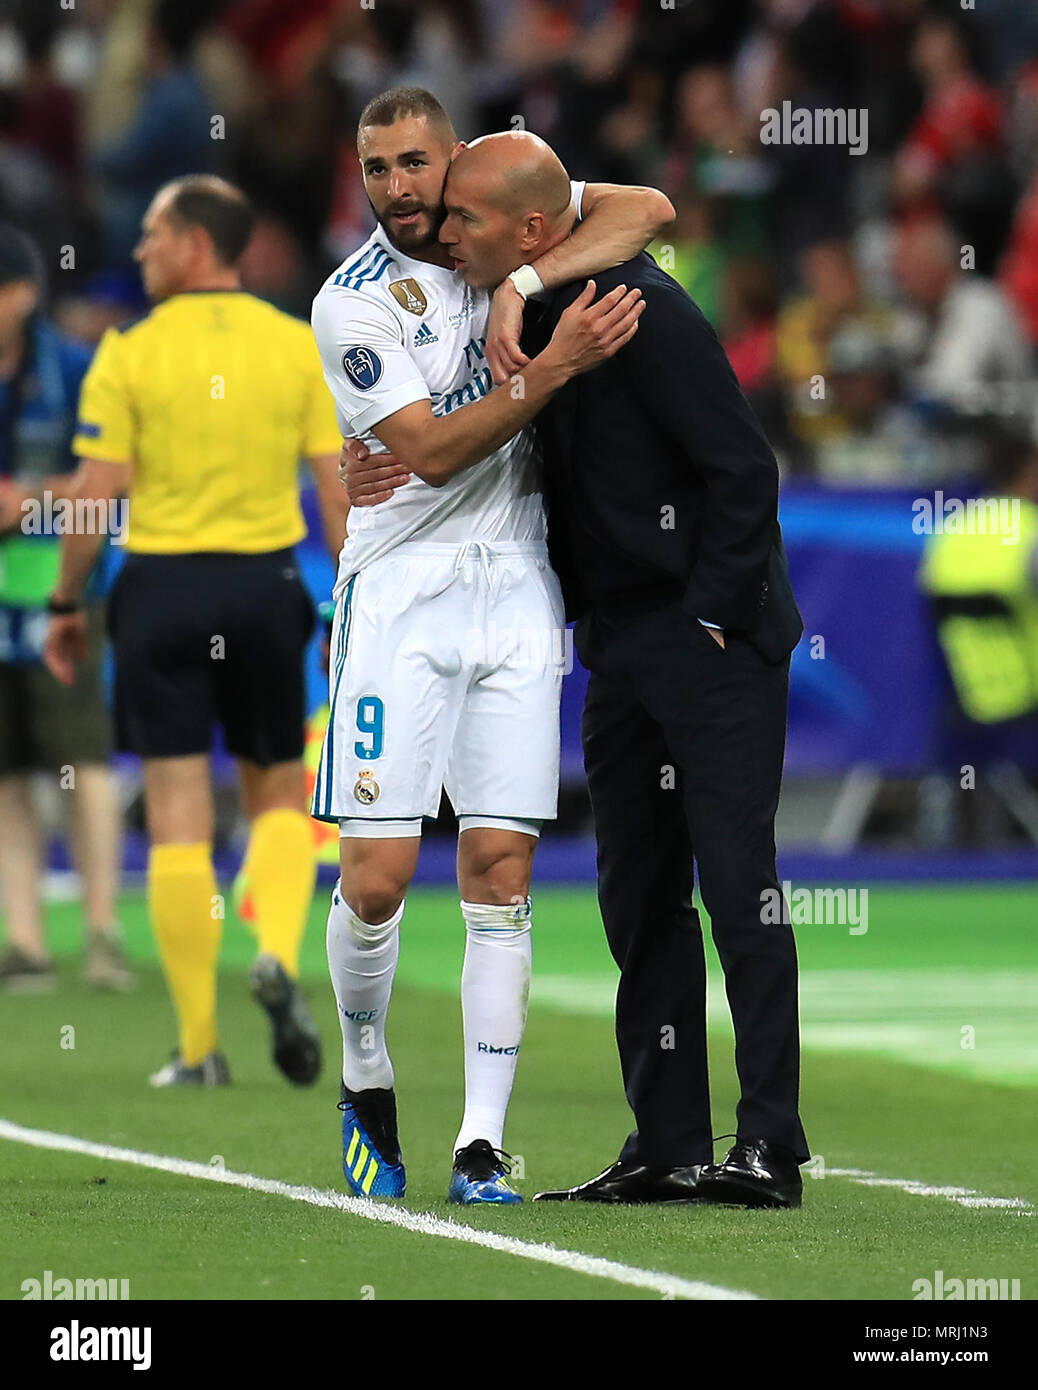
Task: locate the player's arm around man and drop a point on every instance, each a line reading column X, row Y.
column 615, row 223
column 516, row 254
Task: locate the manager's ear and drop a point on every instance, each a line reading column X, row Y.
column 532, row 233
column 461, row 145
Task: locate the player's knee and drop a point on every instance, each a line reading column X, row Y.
column 375, row 901
column 496, row 875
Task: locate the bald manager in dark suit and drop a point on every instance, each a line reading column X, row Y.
column 662, row 494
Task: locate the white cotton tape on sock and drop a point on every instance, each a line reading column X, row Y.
column 370, row 936
column 500, row 919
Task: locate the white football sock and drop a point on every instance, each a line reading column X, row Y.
column 362, row 962
column 495, row 986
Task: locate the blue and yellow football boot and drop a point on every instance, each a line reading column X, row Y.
column 479, row 1175
column 370, row 1147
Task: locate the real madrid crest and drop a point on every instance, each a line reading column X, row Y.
column 366, row 789
column 409, row 295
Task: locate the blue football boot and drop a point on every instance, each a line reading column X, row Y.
column 370, row 1147
column 478, row 1176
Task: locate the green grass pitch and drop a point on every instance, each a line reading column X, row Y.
column 920, row 1063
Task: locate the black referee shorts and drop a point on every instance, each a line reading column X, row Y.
column 203, row 639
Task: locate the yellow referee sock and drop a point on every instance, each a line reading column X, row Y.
column 181, row 889
column 281, row 868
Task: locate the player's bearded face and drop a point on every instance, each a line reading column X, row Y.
column 405, row 166
column 410, row 225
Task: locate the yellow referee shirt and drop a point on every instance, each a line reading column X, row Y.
column 212, row 398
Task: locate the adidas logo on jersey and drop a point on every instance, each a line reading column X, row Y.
column 425, row 336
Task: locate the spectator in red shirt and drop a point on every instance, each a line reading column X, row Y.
column 962, row 115
column 1020, row 268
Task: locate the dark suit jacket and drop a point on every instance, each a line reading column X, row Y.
column 659, row 482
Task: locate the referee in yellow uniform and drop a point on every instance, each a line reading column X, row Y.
column 200, row 414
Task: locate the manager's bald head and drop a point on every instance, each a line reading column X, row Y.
column 508, row 201
column 523, row 174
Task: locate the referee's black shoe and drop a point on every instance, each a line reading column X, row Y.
column 297, row 1043
column 633, row 1183
column 755, row 1173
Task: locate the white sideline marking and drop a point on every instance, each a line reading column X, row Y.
column 965, row 1196
column 573, row 1260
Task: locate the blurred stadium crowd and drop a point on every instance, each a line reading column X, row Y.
column 811, row 262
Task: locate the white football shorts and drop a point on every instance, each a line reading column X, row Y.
column 445, row 672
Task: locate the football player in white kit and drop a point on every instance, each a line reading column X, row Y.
column 446, row 647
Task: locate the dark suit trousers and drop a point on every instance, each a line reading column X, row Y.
column 683, row 745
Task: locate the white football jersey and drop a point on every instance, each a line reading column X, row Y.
column 391, row 331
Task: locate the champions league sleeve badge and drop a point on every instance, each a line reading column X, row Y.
column 363, row 366
column 366, row 789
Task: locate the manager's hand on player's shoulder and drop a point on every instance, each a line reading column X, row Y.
column 369, row 478
column 588, row 334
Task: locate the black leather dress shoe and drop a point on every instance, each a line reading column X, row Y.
column 632, row 1183
column 756, row 1173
